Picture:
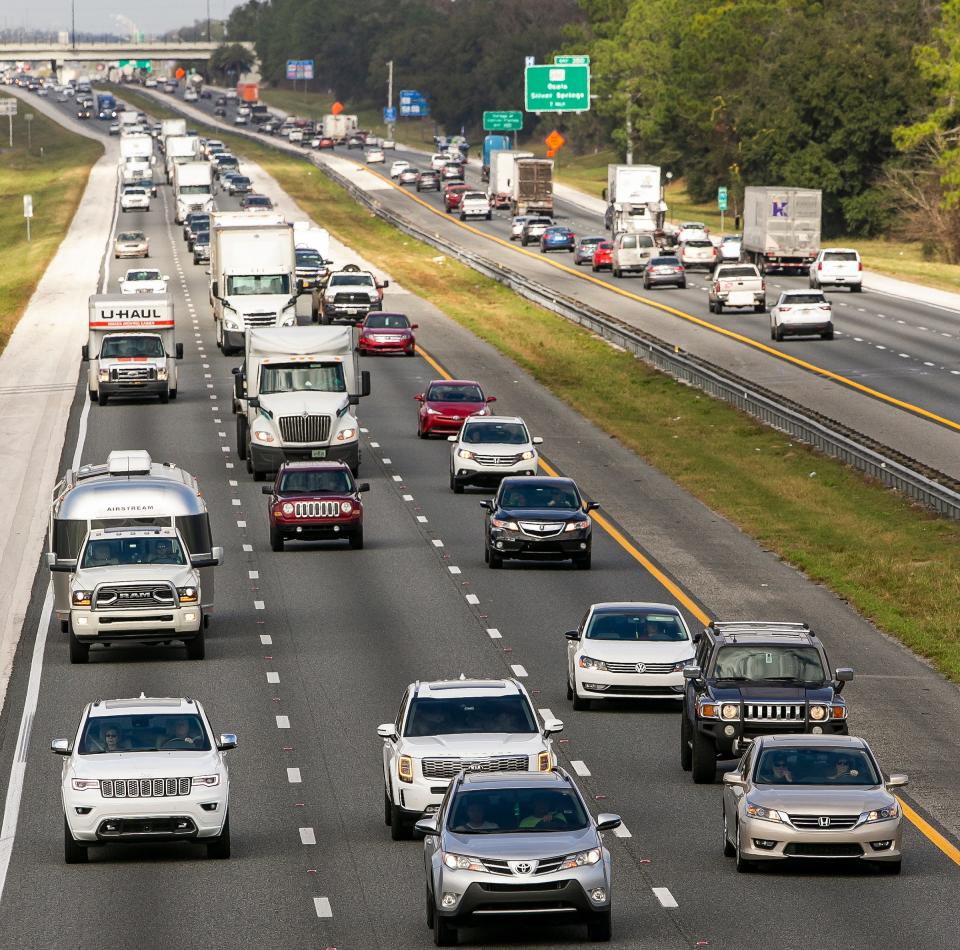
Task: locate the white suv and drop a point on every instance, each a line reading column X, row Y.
column 488, row 449
column 449, row 726
column 628, row 651
column 837, row 267
column 144, row 770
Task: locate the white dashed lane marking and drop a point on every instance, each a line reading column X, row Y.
column 473, row 599
column 622, row 832
column 293, row 776
column 493, row 633
column 322, row 906
column 397, row 478
column 665, row 897
column 518, row 670
column 453, row 569
column 253, row 575
column 248, row 547
column 242, row 524
column 283, row 722
column 266, row 640
column 307, row 836
column 437, row 543
column 273, row 677
column 580, row 768
column 258, row 605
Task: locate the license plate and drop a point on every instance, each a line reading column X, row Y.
column 353, row 309
column 318, row 453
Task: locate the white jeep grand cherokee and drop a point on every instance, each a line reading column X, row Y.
column 144, row 770
column 449, row 726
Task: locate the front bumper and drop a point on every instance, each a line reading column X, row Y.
column 784, row 841
column 317, row 529
column 467, row 472
column 733, row 744
column 349, row 313
column 602, row 684
column 133, row 387
column 140, row 625
column 515, row 544
column 269, row 458
column 375, row 345
column 201, row 253
column 448, row 425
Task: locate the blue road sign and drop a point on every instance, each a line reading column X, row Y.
column 389, row 114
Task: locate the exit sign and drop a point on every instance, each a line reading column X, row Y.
column 571, row 60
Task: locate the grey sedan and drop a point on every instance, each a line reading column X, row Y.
column 514, row 843
column 808, row 796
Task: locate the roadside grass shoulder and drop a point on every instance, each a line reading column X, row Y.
column 896, row 564
column 56, row 181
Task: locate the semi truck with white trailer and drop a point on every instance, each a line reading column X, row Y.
column 179, row 149
column 634, row 199
column 502, row 170
column 136, row 159
column 171, row 127
column 338, row 127
column 192, row 189
column 781, row 228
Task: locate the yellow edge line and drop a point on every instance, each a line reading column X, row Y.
column 923, row 826
column 689, row 317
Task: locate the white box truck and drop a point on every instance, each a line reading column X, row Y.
column 295, row 396
column 500, row 185
column 192, row 189
column 634, row 201
column 179, row 149
column 136, row 160
column 252, row 275
column 169, row 127
column 131, row 347
column 338, row 127
column 781, row 228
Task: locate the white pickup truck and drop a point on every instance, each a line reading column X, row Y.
column 737, row 285
column 474, row 204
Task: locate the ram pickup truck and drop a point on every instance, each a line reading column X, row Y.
column 350, row 295
column 737, row 285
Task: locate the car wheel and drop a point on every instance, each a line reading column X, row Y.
column 569, row 689
column 93, row 395
column 356, row 539
column 79, row 651
column 646, row 284
column 704, row 759
column 616, row 272
column 857, row 289
column 582, row 561
column 778, row 334
column 102, row 398
column 164, row 397
column 456, row 485
column 276, row 539
column 219, row 848
column 579, row 703
column 744, row 866
column 773, row 333
column 463, row 217
column 196, row 647
column 594, row 268
column 496, row 560
column 686, row 754
column 490, row 218
column 430, row 908
column 386, row 807
column 242, row 437
column 73, row 853
column 718, row 307
column 827, row 334
column 400, row 827
column 444, row 933
column 728, row 849
column 682, row 285
column 760, row 308
column 600, row 927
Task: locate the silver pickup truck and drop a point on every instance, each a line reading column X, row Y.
column 737, row 285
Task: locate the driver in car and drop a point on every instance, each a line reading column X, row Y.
column 182, row 734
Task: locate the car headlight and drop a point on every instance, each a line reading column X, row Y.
column 433, row 412
column 405, row 768
column 507, row 525
column 161, row 373
column 464, row 454
column 818, row 713
column 679, row 667
column 80, row 598
column 589, row 663
column 578, row 525
column 758, row 811
column 188, row 595
column 526, row 456
column 730, row 711
column 544, row 762
column 104, row 376
column 345, row 435
column 261, row 435
column 580, row 859
column 207, row 781
column 882, row 814
column 287, row 508
column 84, row 784
column 346, row 508
column 289, row 321
column 460, row 862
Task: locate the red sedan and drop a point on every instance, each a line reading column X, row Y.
column 312, row 501
column 446, row 403
column 603, row 256
column 325, row 142
column 387, row 333
column 453, row 195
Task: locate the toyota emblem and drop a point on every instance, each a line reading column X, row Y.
column 641, row 667
column 523, row 867
column 824, row 822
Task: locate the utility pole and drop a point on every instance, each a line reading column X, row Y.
column 73, row 24
column 208, row 23
column 629, row 130
column 390, row 96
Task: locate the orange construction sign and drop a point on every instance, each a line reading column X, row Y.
column 336, row 108
column 555, row 141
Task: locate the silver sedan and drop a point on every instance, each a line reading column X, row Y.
column 807, row 796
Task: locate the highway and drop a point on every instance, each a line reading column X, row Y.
column 345, row 631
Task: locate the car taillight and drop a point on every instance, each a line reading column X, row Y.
column 785, row 309
column 680, row 268
column 820, row 266
column 859, row 265
column 824, row 306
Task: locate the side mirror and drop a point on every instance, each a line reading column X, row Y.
column 697, row 637
column 119, row 280
column 607, row 822
column 215, row 288
column 592, row 505
column 897, row 780
column 573, row 635
column 451, row 438
column 253, row 402
column 60, row 746
column 486, row 503
column 419, row 397
column 227, row 741
column 66, row 566
column 551, row 726
column 267, row 490
column 414, row 326
column 85, row 352
column 166, row 276
column 387, row 730
column 179, row 351
column 363, row 486
column 491, row 398
column 365, row 382
column 537, row 440
column 691, row 672
column 353, row 400
column 426, row 826
column 236, row 370
column 734, row 778
column 844, row 674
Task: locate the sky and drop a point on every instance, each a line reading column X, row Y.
column 101, row 16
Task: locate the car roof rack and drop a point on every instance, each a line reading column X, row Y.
column 760, row 628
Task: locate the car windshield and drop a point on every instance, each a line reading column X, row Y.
column 120, row 347
column 144, row 733
column 637, row 625
column 242, row 284
column 308, row 256
column 131, row 236
column 784, row 664
column 387, row 321
column 790, row 300
column 665, row 262
column 815, row 766
column 142, row 275
column 517, row 811
column 493, row 433
column 732, row 239
column 737, row 272
column 590, row 241
column 201, row 237
column 136, row 192
column 318, row 482
column 351, row 280
column 699, row 243
column 454, row 392
column 604, row 246
column 194, row 220
column 112, row 552
column 448, row 716
column 194, row 189
column 540, row 495
column 538, row 222
column 301, row 377
column 840, row 255
column 258, row 201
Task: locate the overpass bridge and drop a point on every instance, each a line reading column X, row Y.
column 61, row 53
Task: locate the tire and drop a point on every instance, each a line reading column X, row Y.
column 827, row 334
column 173, row 393
column 444, row 933
column 686, row 753
column 600, row 927
column 704, row 759
column 430, row 908
column 456, row 486
column 73, row 853
column 93, row 395
column 718, row 308
column 778, row 334
column 582, row 562
column 219, row 848
column 101, row 398
column 356, row 540
column 490, row 218
column 617, row 272
column 594, row 268
column 760, row 308
column 682, row 286
column 579, row 704
column 728, row 849
column 196, row 648
column 276, row 539
column 386, row 807
column 569, row 689
column 400, row 827
column 773, row 333
column 744, row 865
column 495, row 561
column 646, row 284
column 164, row 397
column 858, row 289
column 242, row 437
column 79, row 652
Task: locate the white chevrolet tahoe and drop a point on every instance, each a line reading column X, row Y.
column 490, row 448
column 837, row 267
column 144, row 769
column 449, row 726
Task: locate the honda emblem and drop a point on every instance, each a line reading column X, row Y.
column 824, row 821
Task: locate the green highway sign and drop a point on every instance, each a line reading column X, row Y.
column 502, row 121
column 137, row 64
column 557, row 88
column 722, row 198
column 571, row 60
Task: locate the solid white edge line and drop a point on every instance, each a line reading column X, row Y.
column 322, row 906
column 665, row 897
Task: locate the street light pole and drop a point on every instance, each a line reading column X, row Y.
column 208, row 22
column 73, row 24
column 390, row 96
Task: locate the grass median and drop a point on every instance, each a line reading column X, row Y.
column 54, row 171
column 895, row 563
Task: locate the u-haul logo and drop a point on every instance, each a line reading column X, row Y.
column 130, row 313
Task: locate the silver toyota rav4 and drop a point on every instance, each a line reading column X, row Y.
column 513, row 843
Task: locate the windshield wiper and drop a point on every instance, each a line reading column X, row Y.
column 792, row 679
column 734, row 679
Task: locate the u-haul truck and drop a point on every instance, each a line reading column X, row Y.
column 131, row 348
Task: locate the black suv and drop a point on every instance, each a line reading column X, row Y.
column 753, row 678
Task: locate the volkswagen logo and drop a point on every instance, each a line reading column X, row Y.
column 641, row 667
column 824, row 821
